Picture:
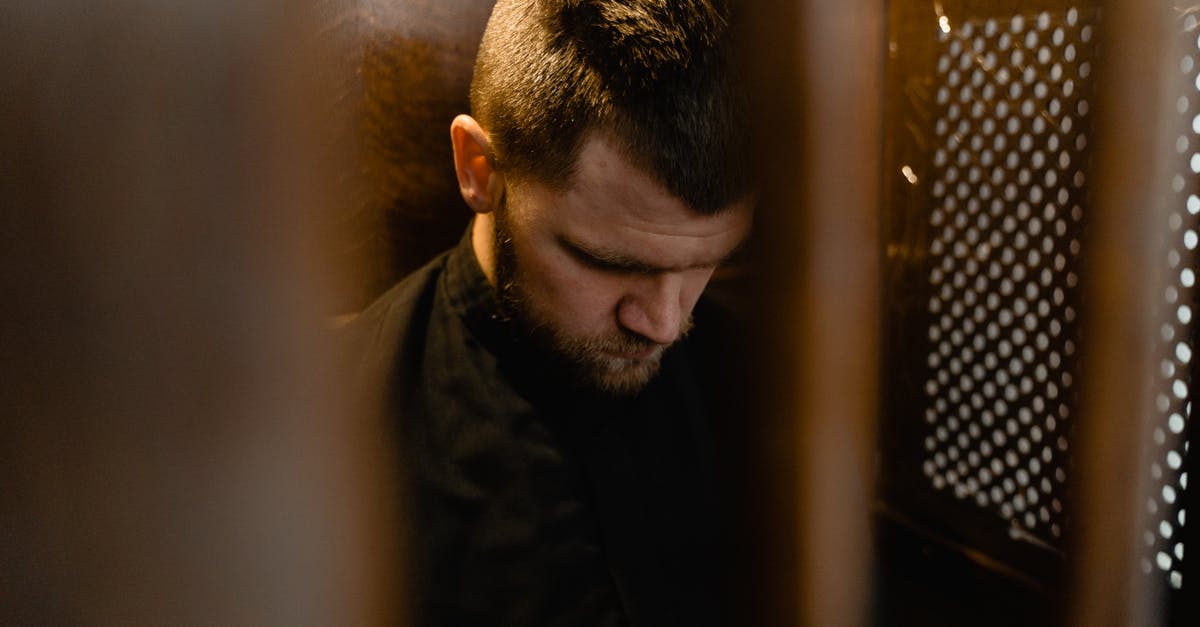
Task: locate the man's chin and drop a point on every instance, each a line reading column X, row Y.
column 622, row 376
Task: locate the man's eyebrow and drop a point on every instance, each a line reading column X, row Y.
column 613, row 260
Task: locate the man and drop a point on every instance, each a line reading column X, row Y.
column 557, row 412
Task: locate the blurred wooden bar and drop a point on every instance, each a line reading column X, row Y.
column 821, row 68
column 841, row 56
column 1123, row 282
column 174, row 446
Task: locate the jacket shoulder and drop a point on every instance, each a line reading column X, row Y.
column 377, row 340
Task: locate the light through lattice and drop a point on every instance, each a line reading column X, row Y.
column 1008, row 177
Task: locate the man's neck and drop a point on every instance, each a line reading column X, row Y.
column 483, row 242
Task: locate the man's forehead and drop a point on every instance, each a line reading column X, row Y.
column 601, row 153
column 613, row 211
column 608, row 184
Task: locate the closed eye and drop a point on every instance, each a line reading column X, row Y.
column 619, row 263
column 609, row 262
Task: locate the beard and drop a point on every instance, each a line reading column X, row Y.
column 592, row 363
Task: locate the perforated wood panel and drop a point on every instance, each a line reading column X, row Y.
column 988, row 156
column 1008, row 179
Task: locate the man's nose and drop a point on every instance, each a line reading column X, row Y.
column 654, row 310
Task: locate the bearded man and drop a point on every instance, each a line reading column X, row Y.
column 554, row 378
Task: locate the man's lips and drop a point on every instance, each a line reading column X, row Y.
column 635, row 355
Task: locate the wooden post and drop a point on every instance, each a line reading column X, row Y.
column 174, row 448
column 820, row 67
column 1120, row 286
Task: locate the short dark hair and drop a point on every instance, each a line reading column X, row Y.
column 658, row 77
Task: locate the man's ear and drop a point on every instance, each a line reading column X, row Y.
column 478, row 180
